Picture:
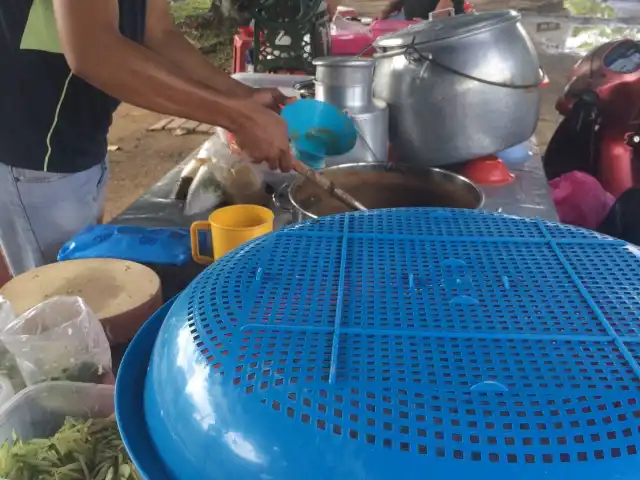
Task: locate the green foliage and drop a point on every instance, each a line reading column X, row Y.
column 189, row 8
column 207, row 28
column 589, row 8
column 586, row 37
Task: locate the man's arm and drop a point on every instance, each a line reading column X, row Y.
column 167, row 41
column 97, row 52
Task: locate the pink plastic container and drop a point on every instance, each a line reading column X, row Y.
column 344, row 43
column 350, row 44
column 384, row 27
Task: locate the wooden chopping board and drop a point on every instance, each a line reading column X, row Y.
column 122, row 294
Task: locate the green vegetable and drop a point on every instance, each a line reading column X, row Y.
column 9, row 368
column 83, row 372
column 80, row 450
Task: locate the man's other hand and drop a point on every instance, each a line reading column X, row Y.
column 262, row 136
column 270, row 98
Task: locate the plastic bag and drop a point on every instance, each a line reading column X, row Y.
column 158, row 246
column 274, row 178
column 6, row 312
column 240, row 180
column 580, row 200
column 8, row 365
column 211, row 147
column 60, row 339
column 205, row 192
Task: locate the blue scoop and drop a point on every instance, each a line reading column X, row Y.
column 318, row 130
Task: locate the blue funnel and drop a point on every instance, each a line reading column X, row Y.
column 318, row 130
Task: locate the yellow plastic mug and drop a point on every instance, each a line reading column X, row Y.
column 230, row 227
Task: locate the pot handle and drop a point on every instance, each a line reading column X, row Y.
column 300, row 86
column 414, row 56
column 277, row 194
column 423, row 69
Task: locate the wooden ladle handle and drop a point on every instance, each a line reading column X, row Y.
column 327, row 185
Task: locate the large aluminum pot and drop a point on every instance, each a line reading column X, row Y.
column 459, row 88
column 384, row 186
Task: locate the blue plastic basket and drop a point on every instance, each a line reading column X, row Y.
column 409, row 343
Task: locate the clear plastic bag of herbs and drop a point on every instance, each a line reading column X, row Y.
column 60, row 339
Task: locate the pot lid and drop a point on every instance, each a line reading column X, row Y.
column 445, row 28
column 344, row 62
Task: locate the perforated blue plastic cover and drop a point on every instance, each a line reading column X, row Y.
column 410, row 343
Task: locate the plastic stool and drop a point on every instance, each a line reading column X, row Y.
column 242, row 43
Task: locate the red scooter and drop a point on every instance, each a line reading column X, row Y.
column 600, row 133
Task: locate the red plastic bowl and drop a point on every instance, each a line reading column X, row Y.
column 489, row 170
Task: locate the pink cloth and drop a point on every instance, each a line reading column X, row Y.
column 580, row 199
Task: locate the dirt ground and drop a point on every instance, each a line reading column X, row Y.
column 143, row 157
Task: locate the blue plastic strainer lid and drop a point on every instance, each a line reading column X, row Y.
column 409, row 343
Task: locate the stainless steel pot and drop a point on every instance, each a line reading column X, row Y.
column 347, row 83
column 383, row 186
column 459, row 88
column 373, row 128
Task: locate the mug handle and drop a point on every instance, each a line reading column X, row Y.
column 196, row 228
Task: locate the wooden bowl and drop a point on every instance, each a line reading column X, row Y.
column 122, row 294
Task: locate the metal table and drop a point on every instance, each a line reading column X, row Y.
column 527, row 196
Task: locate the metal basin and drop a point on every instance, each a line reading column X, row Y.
column 384, row 186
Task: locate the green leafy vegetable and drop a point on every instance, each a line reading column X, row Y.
column 80, row 450
column 83, row 372
column 9, row 369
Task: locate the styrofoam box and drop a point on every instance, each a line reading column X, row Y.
column 39, row 411
column 284, row 83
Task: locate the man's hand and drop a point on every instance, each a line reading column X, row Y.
column 270, row 98
column 262, row 136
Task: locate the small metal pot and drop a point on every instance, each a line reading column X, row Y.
column 383, row 186
column 346, row 82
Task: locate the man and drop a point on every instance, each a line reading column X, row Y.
column 63, row 64
column 420, row 8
